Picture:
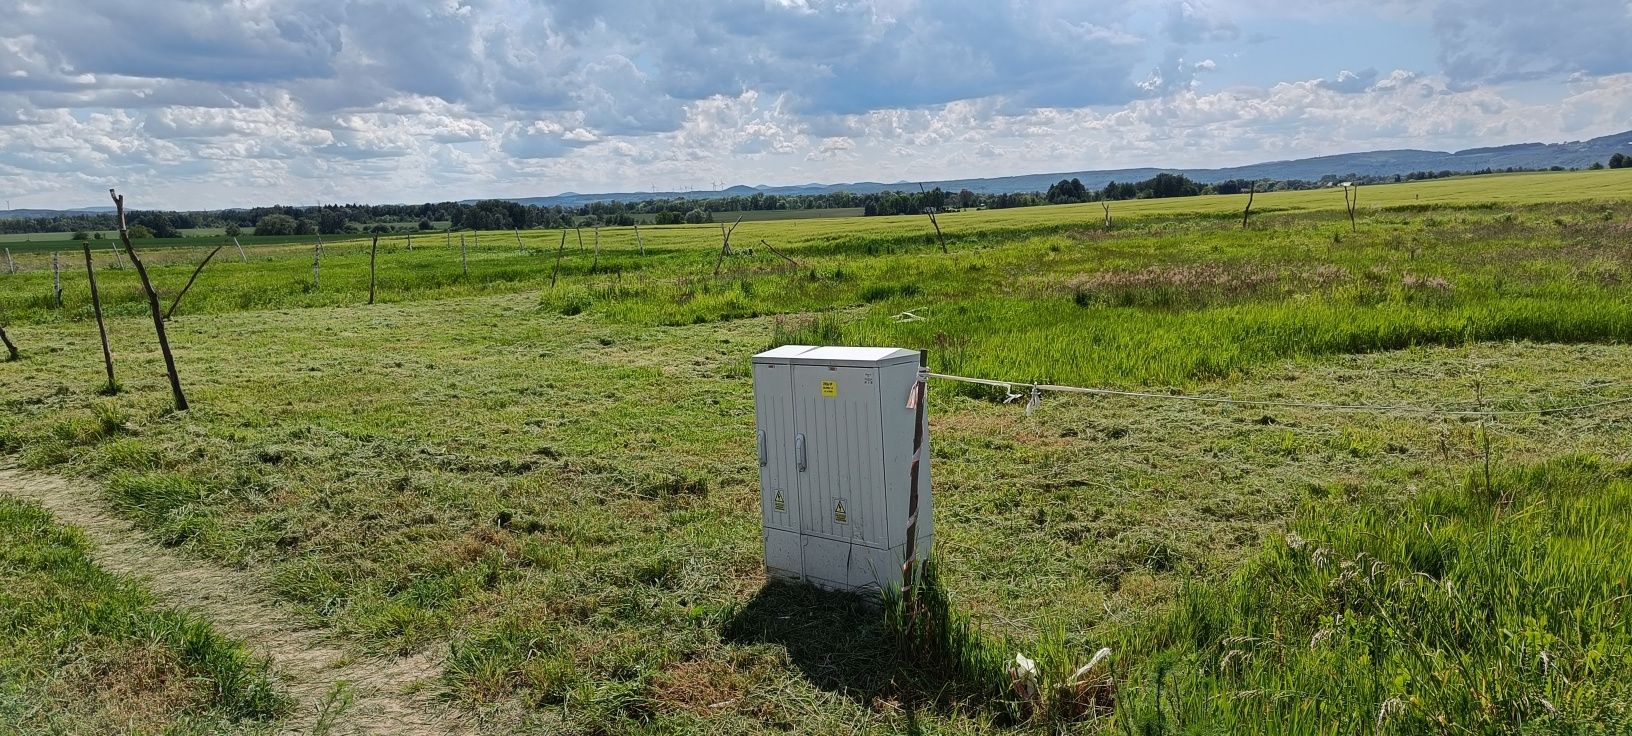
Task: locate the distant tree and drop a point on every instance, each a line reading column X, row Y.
column 233, row 230
column 698, row 217
column 305, row 226
column 1620, row 161
column 96, row 235
column 82, row 235
column 966, row 198
column 331, row 221
column 1596, row 166
column 140, row 231
column 275, row 225
column 158, row 223
column 425, row 224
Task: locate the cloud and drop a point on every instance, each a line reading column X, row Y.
column 246, row 102
column 1349, row 82
column 1503, row 40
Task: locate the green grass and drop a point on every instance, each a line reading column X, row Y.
column 84, row 652
column 1496, row 608
column 554, row 483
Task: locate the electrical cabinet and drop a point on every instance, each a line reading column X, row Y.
column 835, row 436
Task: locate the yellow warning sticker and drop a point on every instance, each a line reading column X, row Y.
column 779, row 503
column 830, row 389
column 839, row 515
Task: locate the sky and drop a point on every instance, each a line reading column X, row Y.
column 196, row 104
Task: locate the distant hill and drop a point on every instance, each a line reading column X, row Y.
column 1579, row 154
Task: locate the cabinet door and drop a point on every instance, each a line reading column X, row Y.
column 837, row 428
column 773, row 413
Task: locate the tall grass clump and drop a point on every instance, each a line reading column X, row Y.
column 1480, row 609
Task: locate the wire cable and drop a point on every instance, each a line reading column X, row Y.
column 1378, row 408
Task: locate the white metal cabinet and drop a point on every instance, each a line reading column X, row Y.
column 835, row 448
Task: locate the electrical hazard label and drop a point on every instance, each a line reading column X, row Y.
column 830, row 389
column 839, row 514
column 778, row 503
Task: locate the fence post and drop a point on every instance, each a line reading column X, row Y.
column 56, row 278
column 463, row 261
column 241, row 257
column 101, row 327
column 10, row 265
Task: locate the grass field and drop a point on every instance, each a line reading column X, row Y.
column 553, row 486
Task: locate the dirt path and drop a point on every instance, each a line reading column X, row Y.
column 386, row 696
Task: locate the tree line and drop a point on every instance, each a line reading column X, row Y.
column 498, row 214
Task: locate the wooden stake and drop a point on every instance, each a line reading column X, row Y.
column 372, row 249
column 1351, row 203
column 725, row 244
column 594, row 267
column 1248, row 211
column 640, row 240
column 562, row 247
column 410, row 242
column 241, row 257
column 11, row 265
column 1107, row 205
column 190, row 280
column 152, row 303
column 101, row 327
column 937, row 223
column 519, row 247
column 56, row 278
column 317, row 258
column 463, row 260
column 11, row 348
column 580, row 230
column 118, row 260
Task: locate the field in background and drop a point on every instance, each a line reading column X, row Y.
column 551, row 483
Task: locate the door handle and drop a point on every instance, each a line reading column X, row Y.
column 764, row 458
column 799, row 451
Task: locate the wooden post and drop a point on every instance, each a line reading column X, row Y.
column 118, row 260
column 101, row 327
column 317, row 259
column 11, row 348
column 11, row 265
column 241, row 257
column 519, row 247
column 562, row 247
column 152, row 303
column 1107, row 205
column 463, row 260
column 937, row 223
column 476, row 239
column 1351, row 203
column 725, row 244
column 917, row 401
column 410, row 242
column 1248, row 211
column 373, row 248
column 639, row 240
column 580, row 230
column 190, row 280
column 56, row 278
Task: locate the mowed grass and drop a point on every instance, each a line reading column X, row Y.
column 555, row 483
column 84, row 652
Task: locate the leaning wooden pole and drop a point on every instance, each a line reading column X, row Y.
column 152, row 302
column 937, row 223
column 558, row 250
column 11, row 266
column 241, row 257
column 918, row 403
column 11, row 348
column 464, row 262
column 101, row 326
column 373, row 248
column 519, row 247
column 1248, row 211
column 725, row 243
column 191, row 279
column 640, row 240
